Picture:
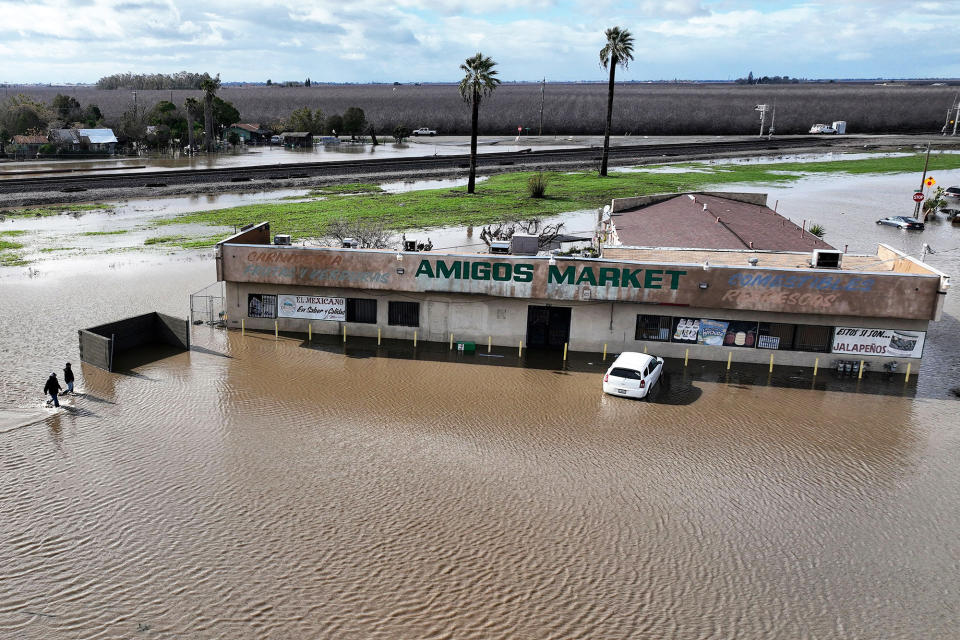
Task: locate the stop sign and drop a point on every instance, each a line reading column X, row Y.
column 917, row 197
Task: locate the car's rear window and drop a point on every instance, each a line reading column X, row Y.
column 630, row 374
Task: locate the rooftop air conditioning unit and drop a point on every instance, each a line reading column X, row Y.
column 281, row 238
column 826, row 259
column 409, row 245
column 350, row 243
column 500, row 246
column 524, row 244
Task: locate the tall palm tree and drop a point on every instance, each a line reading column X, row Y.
column 209, row 86
column 194, row 109
column 478, row 83
column 617, row 52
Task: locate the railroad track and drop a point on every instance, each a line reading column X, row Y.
column 527, row 158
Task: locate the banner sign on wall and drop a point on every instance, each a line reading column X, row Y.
column 878, row 342
column 712, row 332
column 312, row 307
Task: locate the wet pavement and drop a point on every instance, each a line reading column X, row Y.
column 276, row 488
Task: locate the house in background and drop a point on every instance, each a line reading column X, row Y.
column 65, row 139
column 28, row 145
column 297, row 139
column 249, row 133
column 98, row 140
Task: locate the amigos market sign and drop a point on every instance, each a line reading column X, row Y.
column 593, row 276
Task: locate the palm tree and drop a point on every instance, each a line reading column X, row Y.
column 193, row 109
column 617, row 52
column 479, row 82
column 209, row 86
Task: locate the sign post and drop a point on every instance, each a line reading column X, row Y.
column 926, row 162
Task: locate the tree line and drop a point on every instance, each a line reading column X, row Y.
column 133, row 81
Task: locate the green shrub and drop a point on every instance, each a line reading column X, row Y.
column 537, row 185
column 817, row 230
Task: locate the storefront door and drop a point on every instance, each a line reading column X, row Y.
column 548, row 327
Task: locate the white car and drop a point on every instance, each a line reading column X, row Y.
column 423, row 131
column 822, row 128
column 632, row 375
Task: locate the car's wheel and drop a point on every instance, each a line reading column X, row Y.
column 878, row 222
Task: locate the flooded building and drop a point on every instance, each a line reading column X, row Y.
column 759, row 285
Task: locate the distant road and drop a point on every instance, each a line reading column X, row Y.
column 282, row 175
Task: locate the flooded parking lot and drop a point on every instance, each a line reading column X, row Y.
column 262, row 488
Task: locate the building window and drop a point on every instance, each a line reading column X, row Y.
column 656, row 328
column 810, row 337
column 403, row 314
column 261, row 305
column 774, row 335
column 740, row 334
column 362, row 310
column 685, row 330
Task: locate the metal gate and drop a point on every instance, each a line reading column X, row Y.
column 206, row 306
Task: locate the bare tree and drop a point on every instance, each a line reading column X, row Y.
column 546, row 233
column 368, row 233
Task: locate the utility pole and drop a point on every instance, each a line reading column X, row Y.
column 543, row 85
column 762, row 108
column 916, row 210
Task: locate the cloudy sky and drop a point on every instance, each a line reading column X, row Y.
column 425, row 40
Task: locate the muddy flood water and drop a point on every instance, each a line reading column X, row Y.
column 262, row 488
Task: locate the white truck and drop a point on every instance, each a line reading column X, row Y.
column 838, row 127
column 424, row 131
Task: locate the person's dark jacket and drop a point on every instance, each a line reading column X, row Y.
column 52, row 387
column 68, row 375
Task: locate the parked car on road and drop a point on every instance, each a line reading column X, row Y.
column 951, row 197
column 632, row 375
column 423, row 131
column 902, row 222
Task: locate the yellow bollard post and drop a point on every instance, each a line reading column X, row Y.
column 564, row 351
column 860, row 372
column 378, row 336
column 520, row 350
column 276, row 330
column 771, row 363
column 686, row 357
column 489, row 343
column 604, row 350
column 729, row 358
column 451, row 342
column 344, row 333
column 816, row 365
column 310, row 332
column 907, row 377
column 644, row 348
column 243, row 330
column 414, row 339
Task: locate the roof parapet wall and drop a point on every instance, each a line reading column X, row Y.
column 636, row 202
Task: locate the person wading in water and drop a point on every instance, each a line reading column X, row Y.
column 53, row 388
column 68, row 379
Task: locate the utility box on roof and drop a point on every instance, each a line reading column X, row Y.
column 524, row 244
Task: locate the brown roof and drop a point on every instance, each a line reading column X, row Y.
column 252, row 128
column 683, row 222
column 30, row 139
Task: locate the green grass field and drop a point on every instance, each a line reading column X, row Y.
column 504, row 196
